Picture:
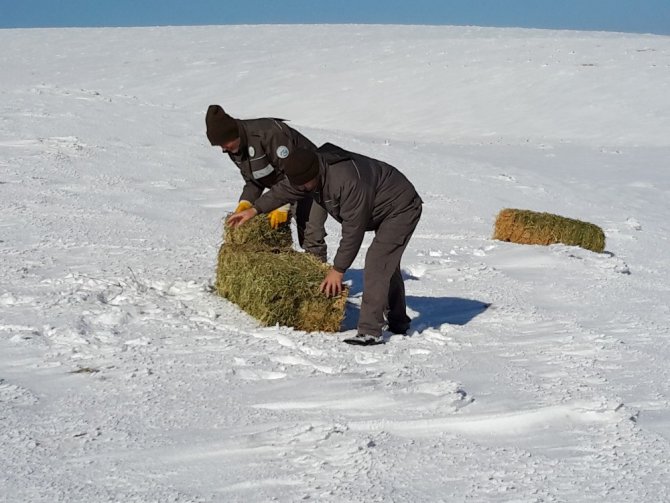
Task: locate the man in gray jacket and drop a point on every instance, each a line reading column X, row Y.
column 259, row 147
column 363, row 194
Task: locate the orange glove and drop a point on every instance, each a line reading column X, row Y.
column 243, row 205
column 278, row 216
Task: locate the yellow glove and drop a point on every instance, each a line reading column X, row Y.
column 278, row 216
column 243, row 205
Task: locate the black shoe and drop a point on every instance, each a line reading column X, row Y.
column 365, row 340
column 398, row 329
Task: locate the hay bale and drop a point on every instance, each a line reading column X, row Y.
column 529, row 227
column 260, row 272
column 257, row 235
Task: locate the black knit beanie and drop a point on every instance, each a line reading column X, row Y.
column 301, row 166
column 221, row 127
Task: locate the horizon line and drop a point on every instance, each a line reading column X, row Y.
column 198, row 25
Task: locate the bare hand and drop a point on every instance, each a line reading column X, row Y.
column 239, row 218
column 332, row 285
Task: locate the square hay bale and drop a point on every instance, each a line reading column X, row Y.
column 259, row 270
column 257, row 235
column 530, row 227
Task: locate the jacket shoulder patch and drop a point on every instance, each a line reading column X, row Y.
column 282, row 151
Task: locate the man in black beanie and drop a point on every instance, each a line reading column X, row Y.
column 363, row 194
column 259, row 148
column 222, row 129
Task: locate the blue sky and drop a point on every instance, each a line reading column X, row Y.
column 640, row 16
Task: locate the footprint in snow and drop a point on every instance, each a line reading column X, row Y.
column 506, row 178
column 12, row 394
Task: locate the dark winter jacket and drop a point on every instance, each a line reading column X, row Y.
column 263, row 146
column 357, row 191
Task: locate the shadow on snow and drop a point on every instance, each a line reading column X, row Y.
column 432, row 311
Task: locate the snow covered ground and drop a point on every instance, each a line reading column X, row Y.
column 533, row 374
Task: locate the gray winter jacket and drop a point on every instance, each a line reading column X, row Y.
column 265, row 143
column 357, row 191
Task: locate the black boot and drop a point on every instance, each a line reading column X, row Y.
column 365, row 340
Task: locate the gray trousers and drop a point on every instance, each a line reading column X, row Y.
column 310, row 219
column 383, row 286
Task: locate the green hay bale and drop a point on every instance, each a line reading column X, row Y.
column 529, row 227
column 260, row 272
